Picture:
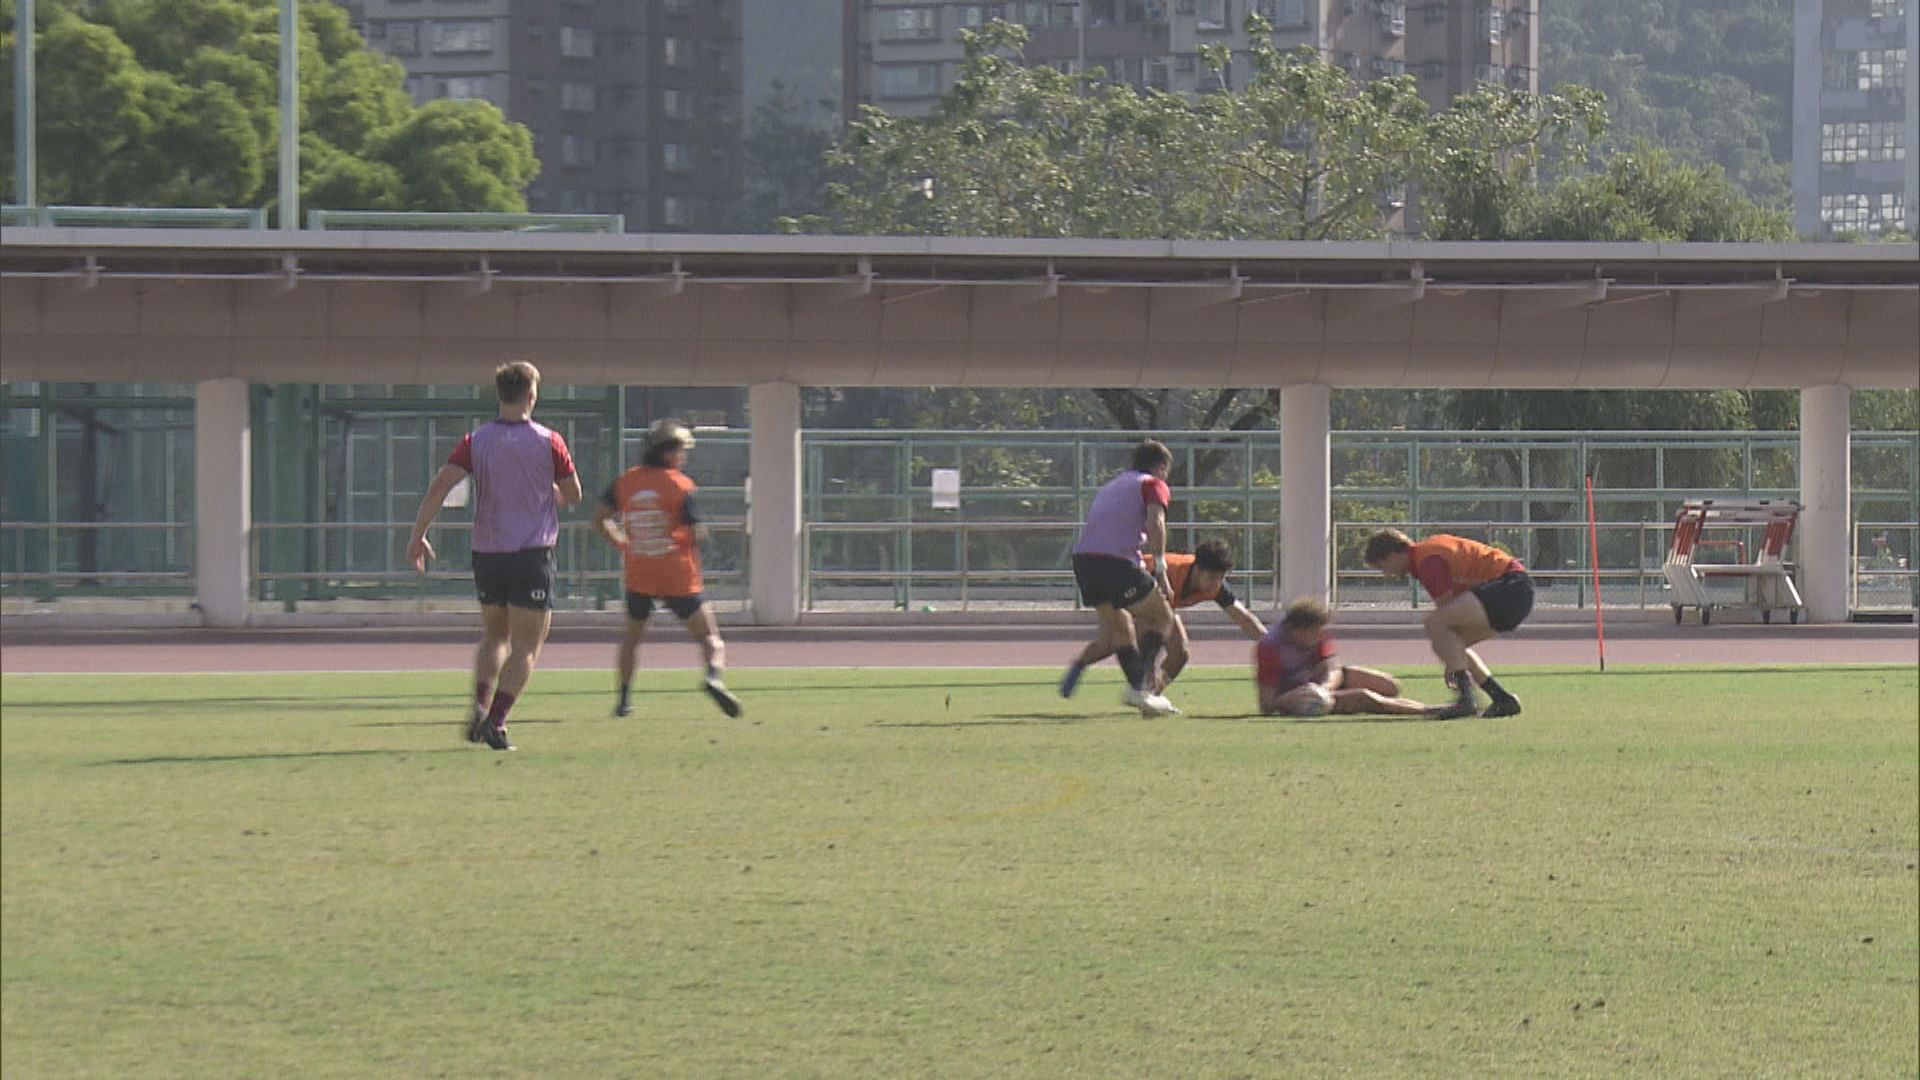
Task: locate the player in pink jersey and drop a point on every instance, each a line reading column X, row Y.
column 1128, row 518
column 522, row 475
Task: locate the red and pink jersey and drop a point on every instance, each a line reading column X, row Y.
column 1117, row 521
column 1283, row 665
column 514, row 465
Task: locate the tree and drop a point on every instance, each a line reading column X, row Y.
column 1300, row 152
column 154, row 103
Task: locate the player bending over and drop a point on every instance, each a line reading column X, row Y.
column 1196, row 579
column 648, row 514
column 1296, row 675
column 1478, row 591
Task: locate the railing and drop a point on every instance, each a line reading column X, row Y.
column 588, row 572
column 1639, row 585
column 1885, row 569
column 34, row 552
column 134, row 217
column 434, row 221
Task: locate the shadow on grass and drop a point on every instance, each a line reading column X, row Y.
column 1003, row 720
column 200, row 759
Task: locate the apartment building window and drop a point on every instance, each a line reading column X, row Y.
column 680, row 7
column 677, row 210
column 1845, row 213
column 975, row 16
column 1492, row 22
column 1839, row 69
column 403, row 38
column 576, row 42
column 1882, row 69
column 680, row 52
column 463, row 36
column 1436, row 11
column 907, row 24
column 676, row 104
column 577, row 97
column 1389, row 66
column 1160, row 74
column 579, row 150
column 1212, row 16
column 467, row 87
column 907, row 80
column 1432, row 69
column 1489, row 73
column 676, row 157
column 1393, row 17
column 1848, row 142
column 1886, row 9
column 1893, row 209
column 416, row 89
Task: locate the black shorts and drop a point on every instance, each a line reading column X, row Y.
column 1508, row 599
column 521, row 578
column 1105, row 580
column 640, row 605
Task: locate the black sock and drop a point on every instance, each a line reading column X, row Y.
column 713, row 673
column 1150, row 643
column 1495, row 690
column 1463, row 682
column 623, row 693
column 1129, row 658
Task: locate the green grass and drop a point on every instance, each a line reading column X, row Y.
column 1660, row 872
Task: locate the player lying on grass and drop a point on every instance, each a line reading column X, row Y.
column 648, row 514
column 1294, row 670
column 1478, row 592
column 1196, row 579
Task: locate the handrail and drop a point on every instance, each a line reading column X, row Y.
column 153, row 217
column 322, row 220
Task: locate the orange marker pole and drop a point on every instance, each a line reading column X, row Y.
column 1593, row 560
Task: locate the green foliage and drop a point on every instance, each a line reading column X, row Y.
column 1710, row 80
column 160, row 103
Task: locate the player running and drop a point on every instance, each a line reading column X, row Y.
column 1196, row 579
column 1478, row 591
column 648, row 513
column 522, row 474
column 1129, row 513
column 1296, row 676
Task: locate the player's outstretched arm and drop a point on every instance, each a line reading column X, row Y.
column 1247, row 621
column 418, row 549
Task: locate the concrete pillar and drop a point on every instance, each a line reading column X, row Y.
column 1824, row 541
column 222, row 500
column 1306, row 496
column 773, row 503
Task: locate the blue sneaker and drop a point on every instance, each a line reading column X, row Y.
column 1071, row 680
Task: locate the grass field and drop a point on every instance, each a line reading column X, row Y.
column 1659, row 872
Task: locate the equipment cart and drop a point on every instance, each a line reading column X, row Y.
column 1769, row 587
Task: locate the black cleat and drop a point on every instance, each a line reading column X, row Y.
column 623, row 709
column 1459, row 710
column 477, row 726
column 496, row 738
column 1506, row 706
column 721, row 697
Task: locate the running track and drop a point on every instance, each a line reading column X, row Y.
column 25, row 650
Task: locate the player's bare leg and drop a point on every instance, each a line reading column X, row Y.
column 526, row 633
column 1177, row 654
column 488, row 659
column 1362, row 678
column 1096, row 651
column 1453, row 628
column 1356, row 700
column 1152, row 618
column 705, row 632
column 627, row 661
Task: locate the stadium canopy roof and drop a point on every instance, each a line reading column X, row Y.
column 181, row 305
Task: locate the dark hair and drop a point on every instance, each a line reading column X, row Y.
column 1150, row 455
column 1384, row 543
column 1213, row 555
column 513, row 379
column 1306, row 614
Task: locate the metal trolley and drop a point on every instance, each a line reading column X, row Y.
column 1769, row 585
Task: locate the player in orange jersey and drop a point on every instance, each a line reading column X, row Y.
column 648, row 513
column 1193, row 579
column 1478, row 591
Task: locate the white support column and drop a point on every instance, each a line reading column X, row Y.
column 222, row 500
column 1824, row 542
column 1306, row 497
column 773, row 507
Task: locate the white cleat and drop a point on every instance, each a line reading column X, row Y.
column 1148, row 704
